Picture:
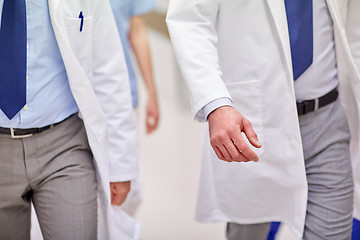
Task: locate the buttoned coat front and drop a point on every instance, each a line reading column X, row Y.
column 240, row 49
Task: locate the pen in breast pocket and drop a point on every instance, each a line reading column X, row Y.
column 81, row 16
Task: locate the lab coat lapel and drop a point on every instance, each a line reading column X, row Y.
column 78, row 79
column 338, row 10
column 277, row 10
column 53, row 7
column 343, row 9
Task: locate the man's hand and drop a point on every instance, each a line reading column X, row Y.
column 119, row 192
column 225, row 126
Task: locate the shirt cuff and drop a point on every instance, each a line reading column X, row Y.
column 213, row 105
column 123, row 178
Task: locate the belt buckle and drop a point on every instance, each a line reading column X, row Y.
column 309, row 106
column 12, row 131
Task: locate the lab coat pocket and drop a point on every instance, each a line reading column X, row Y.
column 79, row 34
column 122, row 226
column 247, row 99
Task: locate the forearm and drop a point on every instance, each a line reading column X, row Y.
column 139, row 42
column 192, row 27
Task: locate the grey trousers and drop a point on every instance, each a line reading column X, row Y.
column 325, row 135
column 53, row 169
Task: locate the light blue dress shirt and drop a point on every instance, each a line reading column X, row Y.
column 123, row 10
column 49, row 99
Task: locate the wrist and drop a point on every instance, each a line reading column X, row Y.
column 218, row 111
column 152, row 93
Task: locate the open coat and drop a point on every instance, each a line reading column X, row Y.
column 98, row 79
column 99, row 82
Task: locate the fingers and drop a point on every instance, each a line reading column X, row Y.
column 152, row 118
column 225, row 127
column 119, row 192
column 250, row 134
column 231, row 146
column 236, row 154
column 225, row 153
column 151, row 123
column 219, row 154
column 117, row 198
column 230, row 152
column 242, row 147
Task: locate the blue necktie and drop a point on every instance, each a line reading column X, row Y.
column 13, row 57
column 300, row 22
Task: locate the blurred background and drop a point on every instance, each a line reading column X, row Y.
column 170, row 158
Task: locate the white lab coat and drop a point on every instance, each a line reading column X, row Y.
column 223, row 50
column 353, row 31
column 99, row 82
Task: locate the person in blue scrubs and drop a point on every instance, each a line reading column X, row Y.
column 133, row 33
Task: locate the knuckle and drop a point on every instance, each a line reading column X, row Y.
column 229, row 133
column 215, row 137
column 214, row 141
column 222, row 136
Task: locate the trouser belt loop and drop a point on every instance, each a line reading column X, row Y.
column 316, row 107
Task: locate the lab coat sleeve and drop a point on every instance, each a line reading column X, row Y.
column 111, row 85
column 192, row 27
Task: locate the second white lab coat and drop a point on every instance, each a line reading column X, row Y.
column 223, row 52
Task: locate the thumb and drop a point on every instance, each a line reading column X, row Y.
column 250, row 134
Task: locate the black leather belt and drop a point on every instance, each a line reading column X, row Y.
column 312, row 105
column 23, row 133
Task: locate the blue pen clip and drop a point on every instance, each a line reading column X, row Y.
column 81, row 16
